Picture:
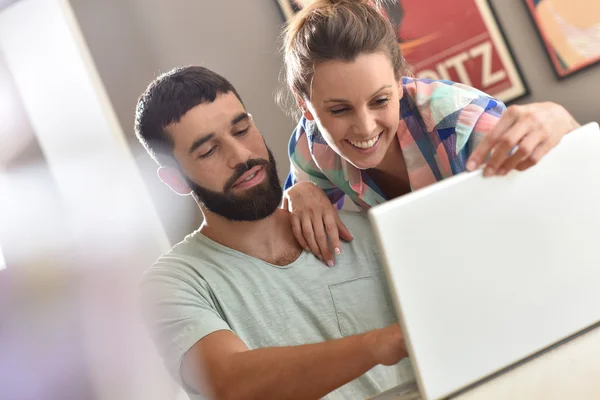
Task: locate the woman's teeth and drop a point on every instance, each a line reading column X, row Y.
column 365, row 144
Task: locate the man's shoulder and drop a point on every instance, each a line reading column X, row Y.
column 184, row 260
column 358, row 218
column 363, row 249
column 359, row 226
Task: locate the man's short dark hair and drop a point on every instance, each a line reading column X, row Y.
column 168, row 98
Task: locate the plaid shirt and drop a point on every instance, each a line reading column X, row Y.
column 440, row 124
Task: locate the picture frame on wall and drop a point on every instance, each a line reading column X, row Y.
column 569, row 31
column 462, row 42
column 289, row 7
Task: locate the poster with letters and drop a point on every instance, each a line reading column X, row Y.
column 458, row 40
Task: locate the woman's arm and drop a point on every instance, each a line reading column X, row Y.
column 313, row 201
column 532, row 129
column 304, row 169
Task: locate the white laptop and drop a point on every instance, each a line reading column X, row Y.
column 489, row 272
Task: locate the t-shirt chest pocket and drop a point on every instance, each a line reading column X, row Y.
column 362, row 304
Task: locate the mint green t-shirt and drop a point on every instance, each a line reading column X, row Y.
column 200, row 287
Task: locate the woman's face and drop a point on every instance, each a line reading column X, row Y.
column 356, row 106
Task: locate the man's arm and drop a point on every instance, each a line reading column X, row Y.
column 297, row 372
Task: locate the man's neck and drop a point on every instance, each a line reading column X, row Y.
column 270, row 239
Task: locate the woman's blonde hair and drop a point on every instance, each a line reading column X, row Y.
column 336, row 30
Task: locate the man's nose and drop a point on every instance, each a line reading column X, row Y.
column 237, row 154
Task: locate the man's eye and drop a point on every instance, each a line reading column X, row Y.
column 242, row 132
column 208, row 153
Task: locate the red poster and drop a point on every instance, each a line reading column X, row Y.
column 459, row 41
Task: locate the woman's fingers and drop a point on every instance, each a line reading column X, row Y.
column 344, row 232
column 537, row 155
column 525, row 148
column 321, row 239
column 505, row 144
column 309, row 235
column 483, row 149
column 331, row 228
column 297, row 230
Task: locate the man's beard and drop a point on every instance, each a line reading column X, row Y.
column 254, row 204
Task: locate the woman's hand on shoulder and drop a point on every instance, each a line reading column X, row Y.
column 315, row 221
column 534, row 128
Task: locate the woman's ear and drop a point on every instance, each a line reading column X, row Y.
column 308, row 115
column 400, row 88
column 174, row 180
column 303, row 107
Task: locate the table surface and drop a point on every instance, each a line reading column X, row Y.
column 568, row 371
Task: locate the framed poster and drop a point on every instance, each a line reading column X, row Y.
column 570, row 32
column 461, row 41
column 289, row 7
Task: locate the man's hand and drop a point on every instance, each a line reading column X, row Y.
column 387, row 345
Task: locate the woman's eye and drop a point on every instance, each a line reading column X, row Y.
column 337, row 111
column 382, row 101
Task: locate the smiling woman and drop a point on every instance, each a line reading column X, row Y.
column 372, row 133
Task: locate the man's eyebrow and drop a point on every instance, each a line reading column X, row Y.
column 200, row 141
column 239, row 118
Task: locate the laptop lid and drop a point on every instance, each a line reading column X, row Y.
column 486, row 272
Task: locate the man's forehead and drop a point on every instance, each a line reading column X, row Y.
column 216, row 115
column 204, row 121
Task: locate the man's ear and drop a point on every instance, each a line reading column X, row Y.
column 303, row 107
column 173, row 179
